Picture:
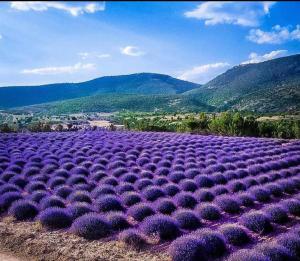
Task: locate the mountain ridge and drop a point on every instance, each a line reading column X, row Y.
column 138, row 83
column 268, row 87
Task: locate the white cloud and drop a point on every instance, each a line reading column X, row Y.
column 244, row 14
column 74, row 9
column 132, row 51
column 204, row 73
column 1, row 36
column 60, row 69
column 255, row 58
column 104, row 55
column 277, row 35
column 85, row 55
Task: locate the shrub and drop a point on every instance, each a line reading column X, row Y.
column 108, row 203
column 274, row 189
column 79, row 170
column 6, row 176
column 204, row 181
column 78, row 209
column 91, row 226
column 23, row 210
column 287, row 186
column 8, row 188
column 118, row 221
column 204, row 195
column 236, row 186
column 219, row 190
column 162, row 171
column 228, row 204
column 177, row 176
column 63, row 191
column 152, row 193
column 143, row 183
column 97, row 176
column 292, row 205
column 209, row 211
column 249, row 182
column 38, row 195
column 61, row 173
column 125, row 187
column 19, row 181
column 31, row 171
column 165, row 206
column 159, row 181
column 187, row 248
column 290, row 242
column 76, row 179
column 276, row 214
column 246, row 199
column 51, row 201
column 131, row 198
column 188, row 185
column 191, row 173
column 80, row 196
column 118, row 172
column 185, row 200
column 7, row 199
column 274, row 251
column 213, row 242
column 146, row 175
column 166, row 228
column 55, row 218
column 103, row 190
column 131, row 178
column 260, row 194
column 141, row 211
column 132, row 238
column 257, row 222
column 171, row 189
column 55, row 182
column 235, row 234
column 36, row 185
column 187, row 219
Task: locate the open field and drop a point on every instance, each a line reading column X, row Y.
column 109, row 195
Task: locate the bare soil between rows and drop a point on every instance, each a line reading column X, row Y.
column 20, row 241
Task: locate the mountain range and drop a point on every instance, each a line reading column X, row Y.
column 268, row 87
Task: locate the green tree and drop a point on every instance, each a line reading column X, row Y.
column 237, row 124
column 285, row 129
column 296, row 129
column 267, row 129
column 203, row 121
column 251, row 126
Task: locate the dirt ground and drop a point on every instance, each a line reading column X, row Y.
column 6, row 256
column 28, row 241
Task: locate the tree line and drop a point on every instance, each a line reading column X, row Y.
column 225, row 123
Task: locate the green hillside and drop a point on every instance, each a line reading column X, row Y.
column 268, row 86
column 113, row 103
column 140, row 83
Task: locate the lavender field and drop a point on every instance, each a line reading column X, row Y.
column 194, row 197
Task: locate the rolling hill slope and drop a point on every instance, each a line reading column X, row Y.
column 272, row 86
column 117, row 102
column 140, row 83
column 268, row 87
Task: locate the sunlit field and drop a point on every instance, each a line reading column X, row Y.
column 194, row 197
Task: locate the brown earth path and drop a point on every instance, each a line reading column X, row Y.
column 28, row 241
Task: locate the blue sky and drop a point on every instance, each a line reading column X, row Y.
column 47, row 42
